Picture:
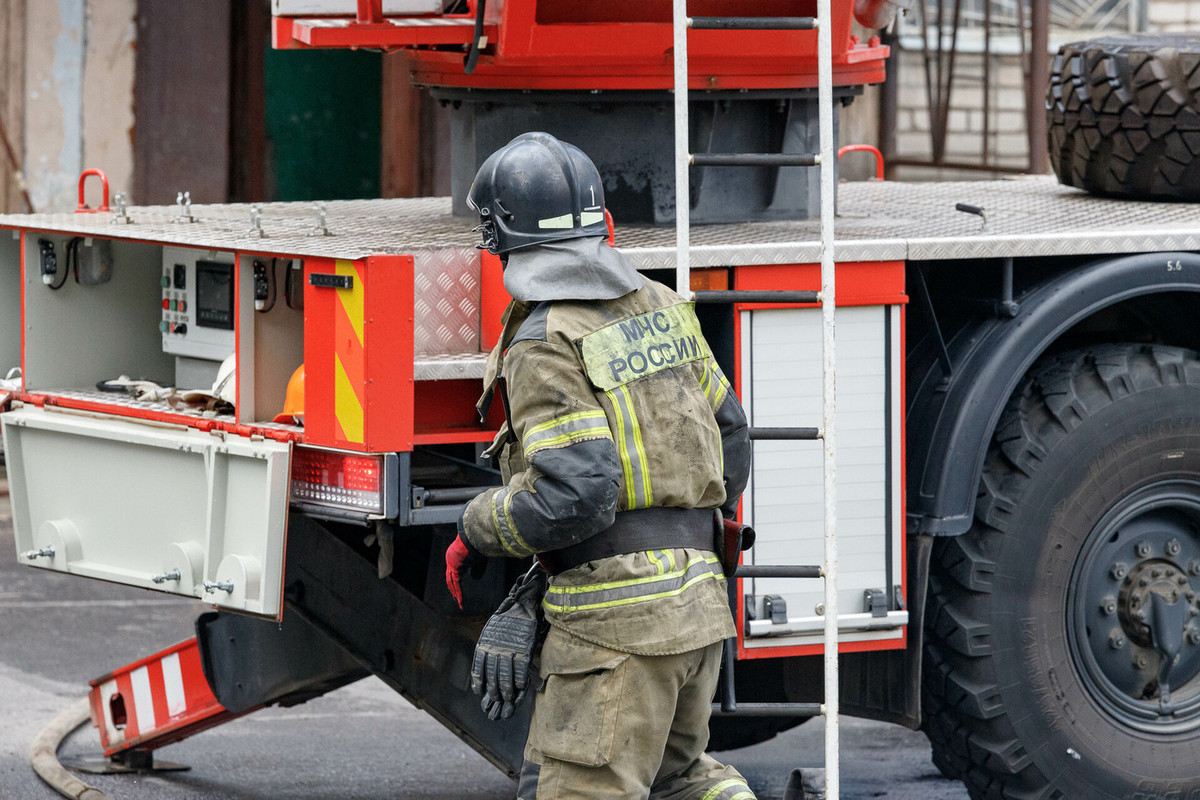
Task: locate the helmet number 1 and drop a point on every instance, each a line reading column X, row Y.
column 592, row 189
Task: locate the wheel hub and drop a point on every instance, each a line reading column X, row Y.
column 1135, row 617
column 1155, row 576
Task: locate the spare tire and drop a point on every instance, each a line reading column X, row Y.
column 1123, row 116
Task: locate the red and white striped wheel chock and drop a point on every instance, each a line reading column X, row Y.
column 154, row 702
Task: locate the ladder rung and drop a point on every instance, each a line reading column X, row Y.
column 753, row 23
column 755, row 159
column 764, row 571
column 769, row 710
column 798, row 434
column 754, row 296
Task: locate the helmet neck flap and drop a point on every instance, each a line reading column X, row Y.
column 572, row 269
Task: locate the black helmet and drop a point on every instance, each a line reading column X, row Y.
column 537, row 189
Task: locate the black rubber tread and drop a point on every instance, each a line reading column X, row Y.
column 969, row 662
column 1123, row 116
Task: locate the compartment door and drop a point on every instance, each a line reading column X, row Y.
column 159, row 506
column 781, row 386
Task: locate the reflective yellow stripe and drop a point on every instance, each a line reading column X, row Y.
column 656, row 561
column 601, row 432
column 648, row 500
column 623, row 448
column 597, row 587
column 706, row 380
column 348, row 406
column 567, row 428
column 557, row 421
column 712, row 793
column 626, row 601
column 746, row 795
column 722, row 387
column 526, row 550
column 634, row 590
column 506, row 529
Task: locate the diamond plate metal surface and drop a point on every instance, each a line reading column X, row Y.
column 1027, row 216
column 446, row 301
column 449, row 366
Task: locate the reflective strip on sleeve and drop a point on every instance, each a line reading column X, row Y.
column 713, row 383
column 506, row 529
column 722, row 385
column 730, row 789
column 592, row 424
column 631, row 450
column 565, row 599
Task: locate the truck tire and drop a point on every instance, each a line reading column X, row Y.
column 1047, row 621
column 1123, row 116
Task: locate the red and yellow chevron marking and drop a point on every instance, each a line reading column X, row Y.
column 349, row 367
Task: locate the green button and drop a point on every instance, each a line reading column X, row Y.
column 173, row 305
column 166, row 281
column 162, row 326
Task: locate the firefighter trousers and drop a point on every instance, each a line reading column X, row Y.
column 608, row 724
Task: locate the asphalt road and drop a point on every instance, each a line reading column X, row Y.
column 364, row 741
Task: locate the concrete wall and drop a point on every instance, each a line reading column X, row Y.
column 79, row 60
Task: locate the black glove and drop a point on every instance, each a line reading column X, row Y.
column 500, row 670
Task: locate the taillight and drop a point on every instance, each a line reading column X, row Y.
column 340, row 480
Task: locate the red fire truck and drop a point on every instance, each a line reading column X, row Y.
column 1018, row 399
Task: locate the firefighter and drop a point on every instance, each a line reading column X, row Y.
column 623, row 444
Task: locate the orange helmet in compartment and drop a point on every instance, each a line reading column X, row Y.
column 293, row 402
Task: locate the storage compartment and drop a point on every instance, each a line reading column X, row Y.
column 77, row 334
column 162, row 507
column 99, row 309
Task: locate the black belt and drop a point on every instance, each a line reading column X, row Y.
column 641, row 529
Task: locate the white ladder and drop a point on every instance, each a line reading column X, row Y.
column 825, row 159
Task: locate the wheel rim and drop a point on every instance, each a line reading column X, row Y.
column 1146, row 545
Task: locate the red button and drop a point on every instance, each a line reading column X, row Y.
column 166, row 304
column 181, row 307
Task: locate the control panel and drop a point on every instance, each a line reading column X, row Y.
column 197, row 303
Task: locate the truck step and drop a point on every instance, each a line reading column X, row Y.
column 752, row 23
column 765, row 571
column 767, row 710
column 755, row 296
column 755, row 159
column 797, row 434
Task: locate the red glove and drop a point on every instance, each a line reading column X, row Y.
column 459, row 559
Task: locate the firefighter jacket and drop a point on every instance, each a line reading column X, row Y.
column 614, row 405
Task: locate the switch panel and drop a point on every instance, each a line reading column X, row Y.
column 197, row 303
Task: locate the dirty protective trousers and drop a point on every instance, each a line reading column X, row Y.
column 608, row 724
